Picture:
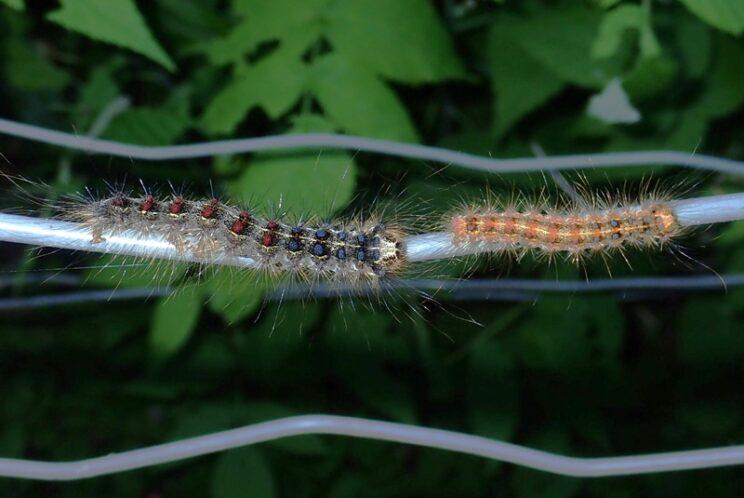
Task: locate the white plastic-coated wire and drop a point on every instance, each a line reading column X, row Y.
column 423, row 247
column 372, row 429
column 712, row 209
column 386, row 147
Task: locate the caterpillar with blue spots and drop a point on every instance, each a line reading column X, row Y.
column 350, row 251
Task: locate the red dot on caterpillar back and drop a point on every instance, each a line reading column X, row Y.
column 269, row 236
column 148, row 204
column 240, row 225
column 210, row 209
column 119, row 201
column 176, row 207
column 267, row 239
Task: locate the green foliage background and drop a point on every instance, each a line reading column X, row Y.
column 584, row 375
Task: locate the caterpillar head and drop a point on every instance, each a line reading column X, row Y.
column 389, row 249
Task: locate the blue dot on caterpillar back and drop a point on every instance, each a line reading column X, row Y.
column 319, row 250
column 294, row 245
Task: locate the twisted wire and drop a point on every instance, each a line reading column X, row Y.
column 365, row 144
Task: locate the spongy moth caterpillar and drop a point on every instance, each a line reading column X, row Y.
column 576, row 230
column 349, row 251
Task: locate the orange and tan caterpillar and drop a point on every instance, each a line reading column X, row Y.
column 574, row 231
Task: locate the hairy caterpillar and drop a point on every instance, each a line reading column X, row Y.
column 345, row 251
column 600, row 226
column 363, row 250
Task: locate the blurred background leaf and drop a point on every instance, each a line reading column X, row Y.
column 113, row 21
column 726, row 15
column 173, row 322
column 242, row 472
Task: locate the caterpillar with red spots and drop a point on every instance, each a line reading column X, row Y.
column 575, row 230
column 350, row 251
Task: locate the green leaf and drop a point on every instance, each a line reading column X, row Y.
column 650, row 78
column 703, row 344
column 13, row 4
column 99, row 90
column 606, row 318
column 235, row 294
column 296, row 25
column 358, row 101
column 616, row 22
column 731, row 236
column 173, row 321
column 280, row 337
column 305, row 183
column 148, row 126
column 683, row 131
column 403, row 41
column 189, row 22
column 564, row 333
column 726, row 15
column 370, row 40
column 520, row 83
column 493, row 391
column 714, row 420
column 363, row 372
column 205, row 418
column 114, row 21
column 379, row 390
column 274, row 84
column 694, row 41
column 546, row 37
column 308, row 184
column 29, row 70
column 724, row 92
column 242, row 473
column 12, row 440
column 276, row 20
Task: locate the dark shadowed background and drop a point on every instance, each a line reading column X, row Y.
column 587, row 375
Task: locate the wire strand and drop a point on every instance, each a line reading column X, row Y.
column 372, row 429
column 385, row 147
